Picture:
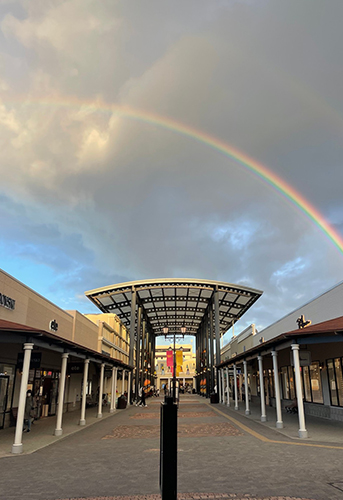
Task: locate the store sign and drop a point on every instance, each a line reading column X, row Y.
column 304, row 358
column 7, row 302
column 75, row 368
column 53, row 325
column 36, row 358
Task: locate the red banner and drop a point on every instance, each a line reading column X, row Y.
column 170, row 358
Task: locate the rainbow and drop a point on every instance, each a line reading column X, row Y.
column 248, row 163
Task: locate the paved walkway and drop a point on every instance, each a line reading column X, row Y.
column 319, row 429
column 42, row 431
column 221, row 454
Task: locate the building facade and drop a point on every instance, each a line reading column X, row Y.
column 68, row 360
column 297, row 359
column 185, row 374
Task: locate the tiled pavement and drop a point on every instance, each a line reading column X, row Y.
column 237, row 465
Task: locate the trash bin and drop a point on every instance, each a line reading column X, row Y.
column 214, row 398
column 122, row 402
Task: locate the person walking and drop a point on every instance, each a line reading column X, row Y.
column 141, row 395
column 28, row 411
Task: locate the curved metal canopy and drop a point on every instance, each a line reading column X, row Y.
column 175, row 303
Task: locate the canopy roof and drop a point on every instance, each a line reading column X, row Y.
column 175, row 303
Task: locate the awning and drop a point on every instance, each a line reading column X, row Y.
column 49, row 340
column 329, row 328
column 175, row 303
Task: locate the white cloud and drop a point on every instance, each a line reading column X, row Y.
column 147, row 202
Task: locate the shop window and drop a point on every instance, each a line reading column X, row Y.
column 285, row 383
column 8, row 371
column 291, row 382
column 339, row 380
column 332, row 382
column 307, row 384
column 271, row 384
column 316, row 384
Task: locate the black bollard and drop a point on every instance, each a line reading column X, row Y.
column 168, row 450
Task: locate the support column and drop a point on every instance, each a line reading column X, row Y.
column 146, row 368
column 17, row 446
column 247, row 408
column 223, row 387
column 279, row 422
column 129, row 388
column 212, row 350
column 142, row 355
column 219, row 388
column 99, row 415
column 58, row 430
column 227, row 386
column 122, row 381
column 217, row 327
column 113, row 396
column 138, row 354
column 84, row 395
column 301, row 413
column 235, row 386
column 132, row 331
column 208, row 388
column 263, row 402
column 132, row 324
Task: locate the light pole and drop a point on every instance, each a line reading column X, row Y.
column 165, row 333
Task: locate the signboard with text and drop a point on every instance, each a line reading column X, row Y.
column 36, row 358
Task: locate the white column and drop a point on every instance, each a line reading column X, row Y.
column 279, row 422
column 246, row 386
column 219, row 386
column 113, row 395
column 122, row 382
column 263, row 403
column 99, row 415
column 240, row 386
column 58, row 430
column 129, row 389
column 223, row 387
column 84, row 395
column 17, row 446
column 235, row 384
column 115, row 389
column 227, row 386
column 301, row 413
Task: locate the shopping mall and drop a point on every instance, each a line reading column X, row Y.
column 72, row 361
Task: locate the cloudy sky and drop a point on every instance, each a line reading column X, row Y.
column 91, row 195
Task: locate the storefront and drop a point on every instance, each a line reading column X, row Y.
column 307, row 367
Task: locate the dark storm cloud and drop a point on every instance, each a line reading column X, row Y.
column 112, row 198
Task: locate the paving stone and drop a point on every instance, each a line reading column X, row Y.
column 216, row 460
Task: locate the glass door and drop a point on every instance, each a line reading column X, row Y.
column 4, row 380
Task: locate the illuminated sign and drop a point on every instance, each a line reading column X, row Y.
column 7, row 302
column 53, row 325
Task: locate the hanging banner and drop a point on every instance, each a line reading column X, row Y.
column 179, row 362
column 170, row 361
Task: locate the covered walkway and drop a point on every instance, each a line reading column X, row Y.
column 43, row 431
column 320, row 430
column 150, row 308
